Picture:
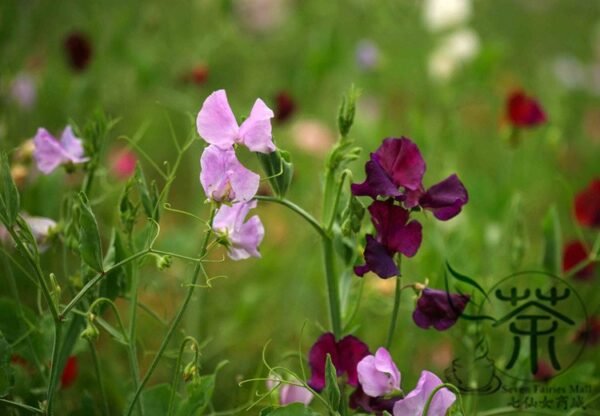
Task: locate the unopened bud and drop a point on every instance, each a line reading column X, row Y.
column 190, row 371
column 164, row 262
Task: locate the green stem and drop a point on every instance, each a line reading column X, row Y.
column 336, row 201
column 175, row 382
column 56, row 367
column 438, row 388
column 22, row 406
column 105, row 410
column 397, row 296
column 287, row 203
column 132, row 347
column 89, row 285
column 175, row 320
column 333, row 291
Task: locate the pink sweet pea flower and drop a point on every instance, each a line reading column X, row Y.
column 123, row 163
column 224, row 178
column 49, row 152
column 378, row 374
column 217, row 125
column 241, row 238
column 290, row 393
column 414, row 402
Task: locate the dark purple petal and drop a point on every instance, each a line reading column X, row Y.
column 317, row 358
column 376, row 183
column 379, row 260
column 402, row 161
column 361, row 270
column 392, row 230
column 351, row 350
column 439, row 309
column 377, row 405
column 446, row 198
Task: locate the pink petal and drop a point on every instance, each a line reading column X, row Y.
column 47, row 153
column 255, row 132
column 246, row 240
column 216, row 123
column 72, row 146
column 294, row 394
column 385, row 363
column 374, row 382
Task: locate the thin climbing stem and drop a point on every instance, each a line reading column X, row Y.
column 105, row 410
column 397, row 298
column 298, row 210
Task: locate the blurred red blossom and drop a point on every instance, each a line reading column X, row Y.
column 589, row 332
column 123, row 163
column 70, row 372
column 197, row 75
column 79, row 50
column 574, row 253
column 285, row 106
column 524, row 111
column 544, row 371
column 587, row 205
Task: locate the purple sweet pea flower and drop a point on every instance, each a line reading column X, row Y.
column 345, row 356
column 378, row 374
column 414, row 402
column 396, row 170
column 217, row 125
column 49, row 152
column 394, row 234
column 242, row 238
column 224, row 178
column 439, row 309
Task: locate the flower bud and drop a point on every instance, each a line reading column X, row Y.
column 164, row 262
column 190, row 371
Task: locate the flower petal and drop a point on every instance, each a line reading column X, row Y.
column 72, row 146
column 385, row 364
column 402, row 161
column 48, row 153
column 255, row 131
column 524, row 111
column 392, row 231
column 446, row 198
column 351, row 351
column 216, row 123
column 379, row 260
column 414, row 402
column 587, row 205
column 294, row 394
column 224, row 178
column 439, row 309
column 374, row 383
column 245, row 241
column 376, row 183
column 317, row 357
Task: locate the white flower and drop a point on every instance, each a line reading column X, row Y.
column 443, row 14
column 454, row 50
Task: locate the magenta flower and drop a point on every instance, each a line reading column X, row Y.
column 414, row 402
column 217, row 125
column 241, row 238
column 439, row 309
column 378, row 374
column 49, row 152
column 224, row 178
column 394, row 234
column 396, row 170
column 345, row 356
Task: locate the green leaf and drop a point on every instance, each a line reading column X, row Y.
column 6, row 372
column 199, row 394
column 9, row 196
column 155, row 400
column 90, row 246
column 279, row 169
column 332, row 390
column 117, row 281
column 294, row 409
column 552, row 260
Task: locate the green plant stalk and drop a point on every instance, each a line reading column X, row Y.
column 22, row 406
column 397, row 299
column 438, row 388
column 105, row 410
column 175, row 382
column 333, row 290
column 176, row 319
column 56, row 366
column 132, row 344
column 289, row 204
column 346, row 173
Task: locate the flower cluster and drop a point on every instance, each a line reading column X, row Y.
column 394, row 173
column 224, row 178
column 376, row 378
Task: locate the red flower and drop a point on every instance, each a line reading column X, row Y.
column 285, row 106
column 79, row 50
column 587, row 205
column 198, row 75
column 544, row 371
column 123, row 164
column 589, row 332
column 574, row 253
column 70, row 372
column 524, row 111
